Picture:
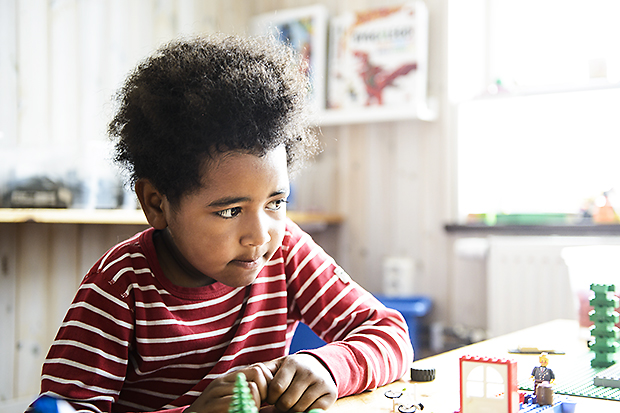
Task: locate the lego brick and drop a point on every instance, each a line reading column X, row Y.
column 606, row 331
column 604, row 315
column 605, row 345
column 499, row 394
column 609, row 377
column 602, row 288
column 562, row 404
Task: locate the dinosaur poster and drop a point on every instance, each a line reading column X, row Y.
column 378, row 58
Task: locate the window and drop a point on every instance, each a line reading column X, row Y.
column 546, row 139
column 488, row 377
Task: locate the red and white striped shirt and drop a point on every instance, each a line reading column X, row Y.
column 133, row 341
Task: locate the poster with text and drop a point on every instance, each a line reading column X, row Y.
column 378, row 58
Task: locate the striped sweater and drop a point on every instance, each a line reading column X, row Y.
column 132, row 341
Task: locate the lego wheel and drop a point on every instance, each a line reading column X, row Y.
column 422, row 374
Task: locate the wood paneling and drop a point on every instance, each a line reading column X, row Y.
column 390, row 181
column 8, row 309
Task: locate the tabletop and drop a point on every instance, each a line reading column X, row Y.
column 442, row 395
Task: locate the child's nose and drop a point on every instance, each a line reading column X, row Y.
column 257, row 231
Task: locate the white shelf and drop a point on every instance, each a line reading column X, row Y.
column 373, row 114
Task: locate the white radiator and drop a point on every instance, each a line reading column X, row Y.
column 528, row 281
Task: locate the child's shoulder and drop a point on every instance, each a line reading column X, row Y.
column 292, row 229
column 297, row 242
column 293, row 234
column 126, row 260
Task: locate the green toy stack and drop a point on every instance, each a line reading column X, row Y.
column 604, row 332
column 242, row 401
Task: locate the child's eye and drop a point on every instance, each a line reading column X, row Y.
column 276, row 205
column 229, row 213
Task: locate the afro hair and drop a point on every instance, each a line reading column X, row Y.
column 197, row 97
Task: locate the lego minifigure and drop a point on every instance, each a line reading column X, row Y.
column 542, row 373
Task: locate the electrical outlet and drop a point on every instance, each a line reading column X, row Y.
column 398, row 276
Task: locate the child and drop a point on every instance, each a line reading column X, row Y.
column 209, row 129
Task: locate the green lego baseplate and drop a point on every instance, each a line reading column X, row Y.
column 610, row 377
column 579, row 380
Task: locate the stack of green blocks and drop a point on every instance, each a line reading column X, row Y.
column 605, row 332
column 242, row 401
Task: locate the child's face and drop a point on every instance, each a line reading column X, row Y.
column 230, row 228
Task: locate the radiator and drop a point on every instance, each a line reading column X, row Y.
column 528, row 281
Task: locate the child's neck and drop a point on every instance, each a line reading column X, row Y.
column 175, row 267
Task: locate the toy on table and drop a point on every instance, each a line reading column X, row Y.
column 490, row 384
column 422, row 374
column 242, row 400
column 604, row 332
column 610, row 377
column 542, row 373
column 407, row 407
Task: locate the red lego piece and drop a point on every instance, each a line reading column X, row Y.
column 488, row 384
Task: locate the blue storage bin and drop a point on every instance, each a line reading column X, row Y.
column 412, row 308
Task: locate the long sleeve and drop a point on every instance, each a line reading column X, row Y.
column 134, row 342
column 368, row 344
column 88, row 360
column 127, row 344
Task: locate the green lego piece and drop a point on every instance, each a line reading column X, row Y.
column 606, row 331
column 242, row 400
column 605, row 345
column 603, row 360
column 605, row 300
column 604, row 316
column 601, row 315
column 602, row 288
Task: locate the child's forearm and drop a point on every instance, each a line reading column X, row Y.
column 376, row 353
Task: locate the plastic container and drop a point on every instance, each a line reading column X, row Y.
column 412, row 308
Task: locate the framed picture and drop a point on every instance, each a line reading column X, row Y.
column 305, row 30
column 378, row 58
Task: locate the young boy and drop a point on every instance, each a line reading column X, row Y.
column 209, row 129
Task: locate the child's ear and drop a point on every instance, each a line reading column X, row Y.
column 152, row 202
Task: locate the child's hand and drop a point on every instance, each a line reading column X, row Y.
column 217, row 396
column 300, row 383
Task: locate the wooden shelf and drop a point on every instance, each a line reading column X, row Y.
column 124, row 217
column 73, row 216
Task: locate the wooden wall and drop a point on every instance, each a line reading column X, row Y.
column 62, row 61
column 41, row 266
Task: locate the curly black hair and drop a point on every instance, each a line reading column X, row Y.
column 200, row 96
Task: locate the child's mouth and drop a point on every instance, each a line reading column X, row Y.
column 248, row 264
